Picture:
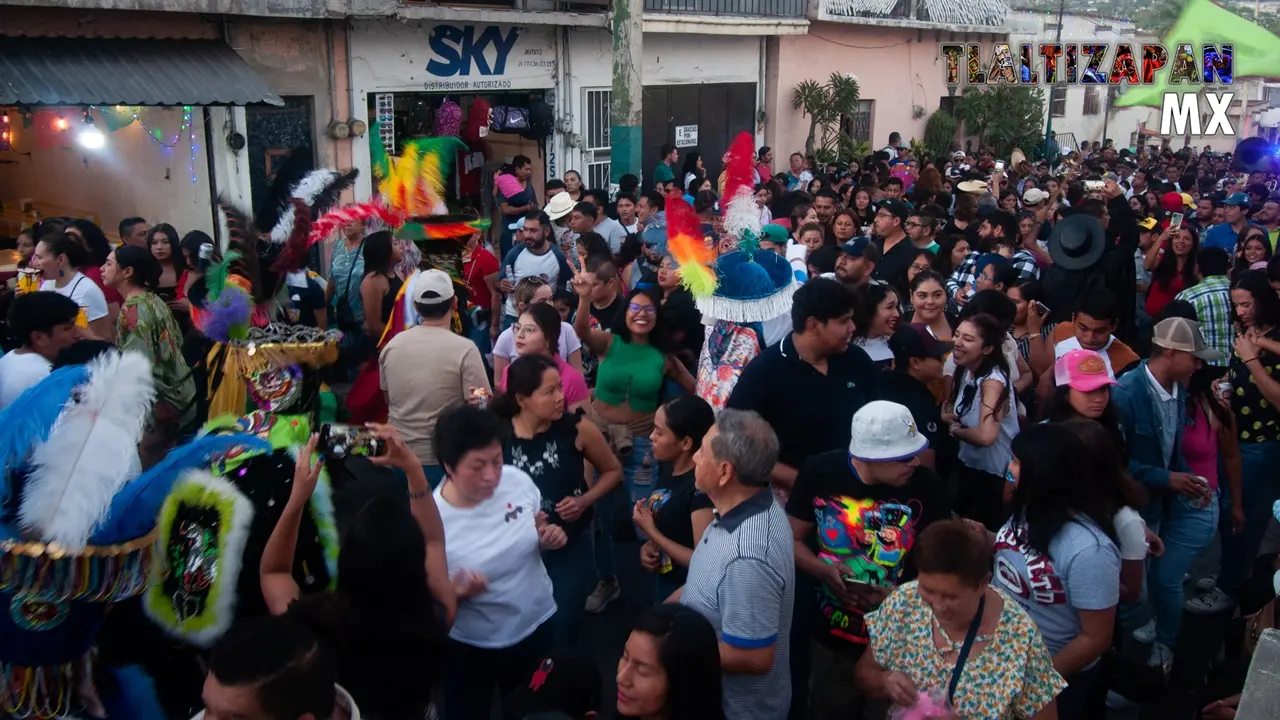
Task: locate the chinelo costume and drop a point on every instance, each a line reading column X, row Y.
column 78, row 534
column 744, row 295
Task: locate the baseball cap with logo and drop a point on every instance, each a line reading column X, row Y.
column 1187, row 200
column 860, row 247
column 1238, row 199
column 1177, row 333
column 432, row 286
column 1148, row 224
column 1084, row 370
column 884, row 431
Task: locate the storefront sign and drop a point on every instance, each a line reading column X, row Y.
column 487, row 57
column 451, row 57
column 686, row 136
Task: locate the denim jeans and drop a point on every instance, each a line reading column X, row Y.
column 571, row 583
column 638, row 471
column 1186, row 531
column 1258, row 491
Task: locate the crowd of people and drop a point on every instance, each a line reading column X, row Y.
column 1008, row 406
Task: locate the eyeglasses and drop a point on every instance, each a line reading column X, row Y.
column 916, row 225
column 521, row 330
column 638, row 308
column 920, row 267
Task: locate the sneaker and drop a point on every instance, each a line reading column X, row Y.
column 1210, row 603
column 1161, row 657
column 1207, row 583
column 605, row 593
column 1146, row 634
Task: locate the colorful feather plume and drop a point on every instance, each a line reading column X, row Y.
column 741, row 214
column 379, row 160
column 29, row 419
column 91, row 452
column 316, row 185
column 215, row 280
column 287, row 174
column 133, row 510
column 332, row 221
column 689, row 248
column 415, row 184
column 448, row 230
column 293, row 255
column 227, row 317
column 239, row 227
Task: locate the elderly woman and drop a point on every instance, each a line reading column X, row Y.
column 950, row 635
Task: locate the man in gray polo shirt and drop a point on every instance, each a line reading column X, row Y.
column 742, row 572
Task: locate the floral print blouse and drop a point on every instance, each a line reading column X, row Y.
column 147, row 326
column 1011, row 676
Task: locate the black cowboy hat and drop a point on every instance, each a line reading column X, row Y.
column 1077, row 241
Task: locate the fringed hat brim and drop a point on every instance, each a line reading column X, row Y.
column 749, row 310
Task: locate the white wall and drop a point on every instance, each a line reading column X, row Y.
column 130, row 176
column 699, row 59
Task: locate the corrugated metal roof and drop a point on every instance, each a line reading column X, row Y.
column 119, row 71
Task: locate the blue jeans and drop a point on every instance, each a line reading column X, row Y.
column 638, row 473
column 1258, row 492
column 571, row 583
column 1186, row 531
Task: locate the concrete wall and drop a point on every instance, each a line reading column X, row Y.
column 700, row 59
column 277, row 8
column 896, row 67
column 131, row 175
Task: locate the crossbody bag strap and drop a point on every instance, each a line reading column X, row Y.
column 964, row 650
column 346, row 290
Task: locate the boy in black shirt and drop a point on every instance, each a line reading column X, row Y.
column 862, row 509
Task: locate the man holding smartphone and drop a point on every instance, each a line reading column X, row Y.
column 862, row 508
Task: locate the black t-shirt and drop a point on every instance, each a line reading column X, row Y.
column 601, row 319
column 899, row 387
column 810, row 412
column 1256, row 419
column 868, row 528
column 673, row 500
column 555, row 463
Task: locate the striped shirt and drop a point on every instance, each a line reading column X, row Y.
column 1211, row 298
column 741, row 579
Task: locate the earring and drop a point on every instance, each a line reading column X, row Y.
column 62, row 273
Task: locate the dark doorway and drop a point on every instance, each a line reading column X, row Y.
column 719, row 111
column 272, row 133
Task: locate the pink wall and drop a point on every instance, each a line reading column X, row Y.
column 896, row 67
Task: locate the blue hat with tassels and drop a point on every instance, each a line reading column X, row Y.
column 752, row 286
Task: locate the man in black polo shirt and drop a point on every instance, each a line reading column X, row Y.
column 809, row 385
column 862, row 509
column 896, row 250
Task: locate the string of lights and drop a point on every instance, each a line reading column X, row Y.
column 191, row 133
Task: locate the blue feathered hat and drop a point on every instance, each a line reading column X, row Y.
column 752, row 286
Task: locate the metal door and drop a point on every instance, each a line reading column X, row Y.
column 272, row 132
column 719, row 111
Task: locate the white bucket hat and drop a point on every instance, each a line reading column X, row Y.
column 885, row 432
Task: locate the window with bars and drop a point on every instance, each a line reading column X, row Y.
column 858, row 125
column 596, row 140
column 1058, row 101
column 1092, row 105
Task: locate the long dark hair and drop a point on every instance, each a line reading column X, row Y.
column 865, row 312
column 993, row 337
column 1110, row 462
column 383, row 621
column 176, row 258
column 1054, row 488
column 1058, row 410
column 619, row 328
column 946, row 245
column 379, row 248
column 94, row 239
column 146, row 269
column 1240, row 266
column 547, row 318
column 191, row 244
column 689, row 652
column 1167, row 268
column 1266, row 304
column 524, row 377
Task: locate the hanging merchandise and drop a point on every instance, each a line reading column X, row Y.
column 509, row 119
column 448, row 119
column 541, row 119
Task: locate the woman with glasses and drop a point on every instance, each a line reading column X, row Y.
column 537, row 332
column 634, row 364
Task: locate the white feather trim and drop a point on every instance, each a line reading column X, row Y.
column 743, row 215
column 91, row 452
column 224, row 233
column 312, row 184
column 747, row 311
column 233, row 536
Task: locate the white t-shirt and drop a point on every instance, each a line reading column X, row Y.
column 530, row 264
column 612, row 231
column 499, row 539
column 18, row 372
column 1010, row 349
column 995, row 457
column 84, row 292
column 1071, row 343
column 1131, row 531
column 505, row 347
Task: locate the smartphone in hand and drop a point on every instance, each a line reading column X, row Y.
column 1175, row 221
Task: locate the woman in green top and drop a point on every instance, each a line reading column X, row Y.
column 629, row 380
column 146, row 325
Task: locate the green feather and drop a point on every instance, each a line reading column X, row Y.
column 378, row 158
column 215, row 281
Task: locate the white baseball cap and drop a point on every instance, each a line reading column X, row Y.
column 432, row 286
column 885, row 432
column 1034, row 196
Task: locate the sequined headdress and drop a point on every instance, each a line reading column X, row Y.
column 77, row 529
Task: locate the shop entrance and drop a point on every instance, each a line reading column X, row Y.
column 718, row 112
column 272, row 132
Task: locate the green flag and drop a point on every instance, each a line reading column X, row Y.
column 1257, row 51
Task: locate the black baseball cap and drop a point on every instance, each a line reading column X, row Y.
column 915, row 341
column 860, row 247
column 895, row 207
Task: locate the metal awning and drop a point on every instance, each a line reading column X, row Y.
column 126, row 71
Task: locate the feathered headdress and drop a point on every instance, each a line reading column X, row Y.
column 30, row 418
column 742, row 215
column 91, row 452
column 689, row 248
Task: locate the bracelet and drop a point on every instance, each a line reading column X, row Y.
column 1246, row 362
column 418, row 495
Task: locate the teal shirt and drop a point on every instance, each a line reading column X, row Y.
column 663, row 173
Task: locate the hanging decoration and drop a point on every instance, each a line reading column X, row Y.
column 6, row 132
column 191, row 134
column 117, row 117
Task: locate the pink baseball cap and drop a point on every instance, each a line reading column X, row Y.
column 1084, row 370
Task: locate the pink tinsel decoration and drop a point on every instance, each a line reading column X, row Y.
column 926, row 707
column 323, row 227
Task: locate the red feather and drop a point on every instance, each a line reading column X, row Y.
column 330, row 222
column 738, row 168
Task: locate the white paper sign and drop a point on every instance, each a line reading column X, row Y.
column 686, row 136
